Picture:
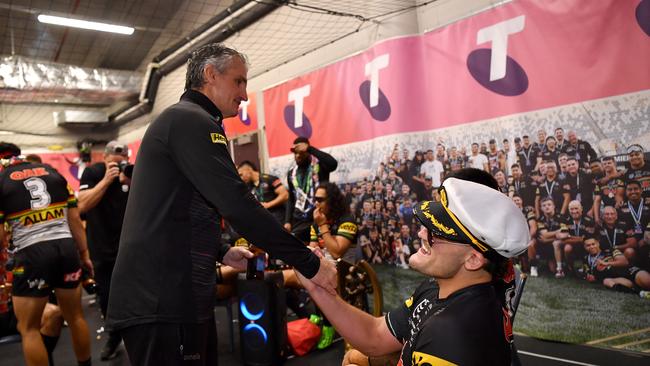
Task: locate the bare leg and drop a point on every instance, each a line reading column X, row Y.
column 28, row 312
column 52, row 321
column 70, row 303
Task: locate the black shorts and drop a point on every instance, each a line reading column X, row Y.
column 157, row 344
column 42, row 267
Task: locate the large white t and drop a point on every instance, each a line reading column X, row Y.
column 372, row 70
column 498, row 34
column 297, row 96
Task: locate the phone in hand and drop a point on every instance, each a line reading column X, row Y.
column 256, row 265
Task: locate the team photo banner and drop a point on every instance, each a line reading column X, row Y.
column 519, row 57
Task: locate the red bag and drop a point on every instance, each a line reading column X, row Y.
column 303, row 335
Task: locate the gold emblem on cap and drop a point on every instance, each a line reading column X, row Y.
column 424, row 207
column 443, row 199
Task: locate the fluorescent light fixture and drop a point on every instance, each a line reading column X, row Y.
column 77, row 23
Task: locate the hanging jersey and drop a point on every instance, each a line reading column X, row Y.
column 34, row 201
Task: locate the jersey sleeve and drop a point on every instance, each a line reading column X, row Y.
column 348, row 228
column 541, row 225
column 313, row 236
column 200, row 150
column 275, row 181
column 565, row 223
column 398, row 320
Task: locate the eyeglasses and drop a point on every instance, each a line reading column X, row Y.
column 320, row 199
column 433, row 240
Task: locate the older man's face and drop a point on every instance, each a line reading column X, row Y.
column 228, row 89
column 575, row 210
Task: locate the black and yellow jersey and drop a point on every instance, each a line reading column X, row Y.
column 466, row 328
column 346, row 227
column 34, row 201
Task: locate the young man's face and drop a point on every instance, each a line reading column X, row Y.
column 636, row 158
column 518, row 202
column 550, row 171
column 404, row 230
column 246, row 173
column 500, row 177
column 548, row 207
column 572, row 167
column 440, row 259
column 633, row 192
column 592, row 246
column 405, row 190
column 550, row 143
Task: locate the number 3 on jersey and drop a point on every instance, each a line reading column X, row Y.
column 38, row 190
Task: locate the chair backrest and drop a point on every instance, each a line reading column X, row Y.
column 520, row 281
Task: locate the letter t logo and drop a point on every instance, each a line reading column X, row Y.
column 372, row 70
column 498, row 34
column 297, row 96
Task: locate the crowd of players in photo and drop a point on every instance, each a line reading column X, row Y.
column 588, row 214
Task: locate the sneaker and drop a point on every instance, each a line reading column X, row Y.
column 559, row 274
column 533, row 271
column 110, row 348
column 644, row 294
column 326, row 337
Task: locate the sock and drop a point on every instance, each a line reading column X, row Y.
column 620, row 288
column 559, row 266
column 50, row 344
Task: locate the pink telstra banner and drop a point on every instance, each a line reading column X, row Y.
column 522, row 56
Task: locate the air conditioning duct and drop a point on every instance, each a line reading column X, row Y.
column 80, row 118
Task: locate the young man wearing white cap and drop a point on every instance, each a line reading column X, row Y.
column 458, row 318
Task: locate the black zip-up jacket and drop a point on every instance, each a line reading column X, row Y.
column 184, row 182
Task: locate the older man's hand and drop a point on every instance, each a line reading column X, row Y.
column 325, row 278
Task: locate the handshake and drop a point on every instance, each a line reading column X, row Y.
column 324, row 280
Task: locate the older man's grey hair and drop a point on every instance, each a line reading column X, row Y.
column 215, row 54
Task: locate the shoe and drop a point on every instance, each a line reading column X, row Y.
column 110, row 348
column 315, row 319
column 326, row 337
column 644, row 294
column 559, row 274
column 533, row 271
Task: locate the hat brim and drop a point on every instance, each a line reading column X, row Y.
column 437, row 220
